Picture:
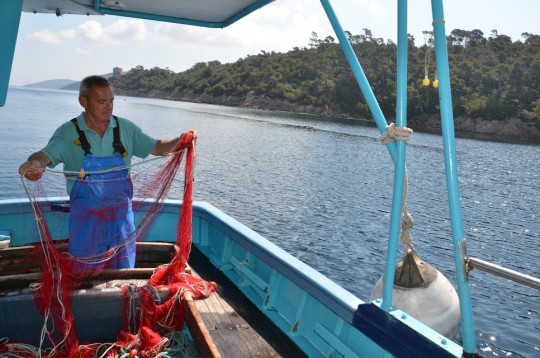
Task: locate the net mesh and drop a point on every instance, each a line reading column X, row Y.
column 152, row 311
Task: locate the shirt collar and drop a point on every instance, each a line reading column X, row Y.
column 84, row 127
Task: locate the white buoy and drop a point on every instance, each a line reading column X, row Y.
column 5, row 239
column 424, row 293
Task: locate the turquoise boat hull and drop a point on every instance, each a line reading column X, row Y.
column 319, row 316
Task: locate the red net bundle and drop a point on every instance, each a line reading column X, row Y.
column 159, row 309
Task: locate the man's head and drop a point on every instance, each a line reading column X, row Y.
column 97, row 98
column 88, row 82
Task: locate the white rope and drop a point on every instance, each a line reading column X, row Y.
column 393, row 134
column 407, row 221
column 133, row 165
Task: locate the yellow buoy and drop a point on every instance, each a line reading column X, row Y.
column 436, row 84
column 425, row 82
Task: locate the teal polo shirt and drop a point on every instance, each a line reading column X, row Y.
column 62, row 147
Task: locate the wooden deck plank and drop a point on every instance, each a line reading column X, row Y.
column 215, row 319
column 225, row 325
column 238, row 320
column 232, row 327
column 201, row 336
column 27, row 259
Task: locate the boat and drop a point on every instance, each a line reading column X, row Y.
column 266, row 302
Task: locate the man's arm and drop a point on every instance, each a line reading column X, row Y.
column 164, row 146
column 32, row 169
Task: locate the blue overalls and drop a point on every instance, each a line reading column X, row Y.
column 101, row 215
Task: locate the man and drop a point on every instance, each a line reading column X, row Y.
column 101, row 216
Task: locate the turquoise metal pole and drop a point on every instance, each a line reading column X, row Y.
column 399, row 162
column 358, row 73
column 447, row 119
column 10, row 16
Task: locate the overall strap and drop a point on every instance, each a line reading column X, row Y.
column 82, row 141
column 117, row 144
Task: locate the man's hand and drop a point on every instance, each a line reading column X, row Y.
column 33, row 168
column 164, row 146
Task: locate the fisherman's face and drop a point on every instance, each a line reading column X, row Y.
column 98, row 104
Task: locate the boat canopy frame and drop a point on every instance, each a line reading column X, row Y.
column 397, row 151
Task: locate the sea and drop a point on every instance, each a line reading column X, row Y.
column 321, row 189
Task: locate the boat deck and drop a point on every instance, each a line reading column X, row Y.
column 230, row 317
column 225, row 324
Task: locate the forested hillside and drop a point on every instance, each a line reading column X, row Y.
column 492, row 78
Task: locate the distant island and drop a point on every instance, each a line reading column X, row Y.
column 495, row 83
column 61, row 84
column 53, row 84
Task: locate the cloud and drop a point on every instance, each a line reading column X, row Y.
column 94, row 32
column 270, row 29
column 375, row 7
column 115, row 33
column 273, row 28
column 45, row 36
column 181, row 36
column 68, row 34
column 81, row 52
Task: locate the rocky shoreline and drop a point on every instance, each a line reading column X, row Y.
column 513, row 130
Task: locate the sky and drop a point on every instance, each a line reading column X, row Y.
column 74, row 46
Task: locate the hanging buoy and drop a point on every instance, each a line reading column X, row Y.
column 436, row 84
column 425, row 82
column 423, row 292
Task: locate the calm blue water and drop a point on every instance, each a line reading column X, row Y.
column 321, row 189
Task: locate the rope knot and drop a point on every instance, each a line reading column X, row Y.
column 406, row 225
column 394, row 133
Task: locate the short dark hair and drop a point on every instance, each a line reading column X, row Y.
column 90, row 81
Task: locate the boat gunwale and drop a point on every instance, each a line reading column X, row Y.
column 333, row 296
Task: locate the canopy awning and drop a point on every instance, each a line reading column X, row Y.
column 207, row 13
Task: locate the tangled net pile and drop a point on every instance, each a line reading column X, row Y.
column 151, row 327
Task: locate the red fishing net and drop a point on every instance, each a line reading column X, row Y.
column 159, row 309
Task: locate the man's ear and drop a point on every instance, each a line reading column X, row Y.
column 82, row 101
